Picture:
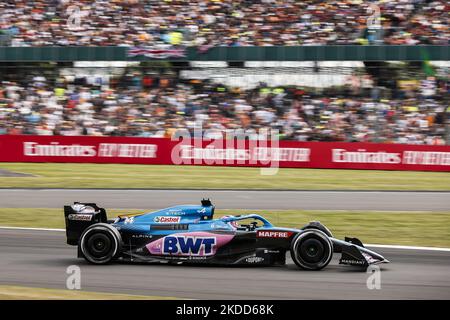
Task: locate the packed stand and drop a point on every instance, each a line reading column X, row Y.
column 158, row 105
column 204, row 24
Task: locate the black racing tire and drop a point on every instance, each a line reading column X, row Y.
column 100, row 243
column 311, row 249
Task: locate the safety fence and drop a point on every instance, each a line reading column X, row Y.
column 252, row 153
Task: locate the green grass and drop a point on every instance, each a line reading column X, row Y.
column 380, row 227
column 66, row 175
column 28, row 293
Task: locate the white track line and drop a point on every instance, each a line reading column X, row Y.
column 36, row 229
column 367, row 245
column 407, row 247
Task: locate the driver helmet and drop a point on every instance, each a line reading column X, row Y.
column 234, row 224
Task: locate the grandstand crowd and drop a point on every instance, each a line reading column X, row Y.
column 157, row 105
column 207, row 23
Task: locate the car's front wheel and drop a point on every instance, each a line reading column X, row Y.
column 100, row 243
column 311, row 249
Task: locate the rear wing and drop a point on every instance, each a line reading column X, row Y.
column 79, row 216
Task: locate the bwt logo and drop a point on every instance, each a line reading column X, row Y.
column 197, row 246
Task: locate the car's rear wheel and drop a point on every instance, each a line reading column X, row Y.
column 100, row 243
column 311, row 249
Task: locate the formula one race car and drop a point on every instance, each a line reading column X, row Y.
column 190, row 234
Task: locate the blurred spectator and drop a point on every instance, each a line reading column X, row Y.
column 204, row 23
column 154, row 105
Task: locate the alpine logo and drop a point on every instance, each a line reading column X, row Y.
column 202, row 210
column 163, row 219
column 273, row 234
column 184, row 245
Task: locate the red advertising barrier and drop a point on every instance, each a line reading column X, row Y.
column 289, row 154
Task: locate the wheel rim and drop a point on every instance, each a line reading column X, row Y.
column 99, row 245
column 312, row 250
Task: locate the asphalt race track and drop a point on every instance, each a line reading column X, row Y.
column 40, row 259
column 229, row 199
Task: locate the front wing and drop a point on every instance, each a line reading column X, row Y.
column 354, row 253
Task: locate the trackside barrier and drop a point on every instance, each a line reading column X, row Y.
column 287, row 154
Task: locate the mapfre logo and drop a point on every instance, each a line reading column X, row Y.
column 162, row 219
column 273, row 234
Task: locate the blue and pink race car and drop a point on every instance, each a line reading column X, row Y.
column 190, row 234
